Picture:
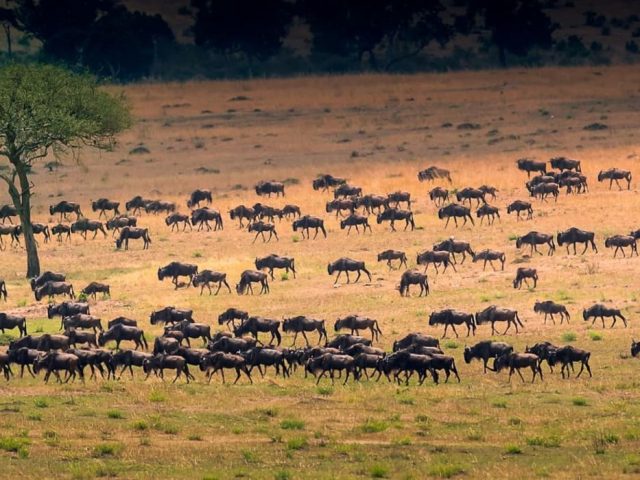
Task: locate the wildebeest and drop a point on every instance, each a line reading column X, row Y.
column 327, row 181
column 347, row 265
column 564, row 163
column 60, row 230
column 544, row 190
column 252, row 276
column 551, row 308
column 371, row 203
column 177, row 269
column 528, row 165
column 485, row 350
column 94, row 359
column 54, row 362
column 345, row 190
column 103, row 205
column 267, row 188
column 48, row 342
column 232, row 314
column 198, row 196
column 128, row 359
column 131, row 233
column 523, row 274
column 520, row 206
column 176, row 218
column 516, row 361
column 467, row 194
column 218, row 361
column 3, row 289
column 435, row 258
column 488, row 211
column 449, row 317
column 566, row 356
column 80, row 337
column 635, row 348
column 396, row 198
column 202, row 217
column 122, row 221
column 170, row 315
column 260, row 227
column 613, row 175
column 96, row 287
column 533, row 239
column 122, row 321
column 620, row 242
column 354, row 220
column 159, row 363
column 490, row 256
column 455, row 211
column 9, row 322
column 274, row 261
column 64, row 208
column 23, row 356
column 413, row 277
column 454, row 247
column 432, row 173
column 206, row 277
column 166, row 345
column 81, row 320
column 13, row 232
column 85, row 225
column 390, row 255
column 66, row 309
column 415, row 339
column 242, row 212
column 493, row 314
column 574, row 235
column 136, row 204
column 191, row 330
column 290, row 211
column 45, row 277
column 393, row 214
column 119, row 333
column 307, row 222
column 265, row 357
column 51, row 289
column 254, row 325
column 266, row 212
column 302, row 324
column 600, row 310
column 355, row 323
column 439, row 196
column 339, row 205
column 7, row 212
column 331, row 363
column 158, row 206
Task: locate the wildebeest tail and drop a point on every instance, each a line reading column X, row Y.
column 377, row 327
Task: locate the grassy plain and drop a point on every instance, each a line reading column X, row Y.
column 377, row 131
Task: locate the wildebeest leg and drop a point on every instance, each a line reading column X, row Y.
column 304, row 335
column 454, row 331
column 447, row 223
column 446, row 327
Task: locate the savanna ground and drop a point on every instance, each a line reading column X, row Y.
column 378, row 132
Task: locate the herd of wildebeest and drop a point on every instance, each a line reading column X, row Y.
column 240, row 349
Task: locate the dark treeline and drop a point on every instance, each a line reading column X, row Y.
column 236, row 38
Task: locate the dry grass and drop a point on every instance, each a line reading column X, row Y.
column 394, row 124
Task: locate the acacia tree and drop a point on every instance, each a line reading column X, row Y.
column 47, row 110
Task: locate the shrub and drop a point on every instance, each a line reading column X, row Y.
column 579, row 402
column 297, row 443
column 379, row 471
column 292, row 424
column 374, row 426
column 513, row 450
column 595, row 336
column 140, row 425
column 568, row 337
column 115, row 414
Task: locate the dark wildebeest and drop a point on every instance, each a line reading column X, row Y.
column 230, row 315
column 439, row 196
column 450, row 317
column 252, row 276
column 66, row 309
column 166, row 345
column 566, row 356
column 489, row 190
column 191, row 330
column 490, row 256
column 493, row 314
column 432, row 173
column 488, row 211
column 550, row 308
column 435, row 258
column 520, row 206
column 128, row 359
column 23, row 356
column 45, row 277
column 543, row 350
column 38, row 229
column 202, row 217
column 170, row 315
column 528, row 165
column 159, row 363
column 122, row 321
column 371, row 203
column 206, row 277
column 48, row 342
column 64, row 208
column 454, row 246
column 50, row 289
column 302, row 324
column 574, row 184
column 176, row 269
column 413, row 277
column 347, row 265
column 103, row 205
column 136, row 204
column 224, row 342
column 80, row 337
column 7, row 212
column 266, row 212
column 355, row 323
column 198, row 196
column 274, row 261
column 307, row 222
column 131, row 233
column 81, row 320
column 85, row 225
column 260, row 227
column 242, row 212
column 390, row 255
column 96, row 287
column 94, row 359
column 544, row 190
column 455, row 211
column 517, row 361
column 523, row 274
column 158, row 206
column 354, row 220
column 340, row 205
column 467, row 194
column 174, row 219
column 417, row 339
column 345, row 191
column 393, row 214
column 485, row 350
column 326, row 181
column 9, row 322
column 575, row 235
column 600, row 310
column 53, row 362
column 564, row 163
column 291, row 212
column 613, row 175
column 3, row 289
column 122, row 221
column 253, row 325
column 621, row 241
column 61, row 230
column 635, row 348
column 396, row 198
column 119, row 333
column 266, row 357
column 331, row 363
column 13, row 232
column 533, row 239
column 267, row 188
column 218, row 361
column 344, row 341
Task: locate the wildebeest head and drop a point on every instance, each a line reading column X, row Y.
column 330, row 269
column 467, row 355
column 600, row 175
column 432, row 319
column 635, row 348
column 240, row 288
column 500, row 362
column 518, row 242
column 118, row 243
column 585, row 315
column 441, row 213
column 536, row 306
column 161, row 273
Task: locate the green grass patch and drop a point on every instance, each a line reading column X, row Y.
column 374, row 426
column 110, row 449
column 41, row 402
column 157, row 396
column 282, row 475
column 579, row 402
column 325, row 391
column 292, row 424
column 16, row 445
column 512, row 450
column 499, row 404
column 546, row 442
column 115, row 414
column 284, row 276
column 379, row 471
column 568, row 337
column 451, row 344
column 297, row 443
column 444, row 469
column 140, row 425
column 595, row 336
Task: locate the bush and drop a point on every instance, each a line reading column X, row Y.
column 513, row 450
column 579, row 402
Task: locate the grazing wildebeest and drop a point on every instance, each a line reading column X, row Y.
column 230, row 315
column 574, row 235
column 493, row 314
column 85, row 225
column 523, row 274
column 66, row 309
column 456, row 211
column 131, row 233
column 170, row 315
column 355, row 323
column 435, row 258
column 390, row 255
column 520, row 206
column 177, row 269
column 260, row 227
column 242, row 212
column 613, row 175
column 432, row 173
column 528, row 165
column 327, row 181
column 174, row 219
column 533, row 239
column 81, row 320
column 454, row 246
column 54, row 288
column 122, row 221
column 516, row 361
column 60, row 230
column 267, row 188
column 253, row 325
column 347, row 265
column 119, row 333
column 413, row 277
column 274, row 261
column 340, row 205
column 202, row 216
column 371, row 203
column 566, row 356
column 9, row 322
column 635, row 348
column 544, row 190
column 198, row 196
column 345, row 190
column 307, row 222
column 449, row 317
column 159, row 363
column 467, row 194
column 550, row 308
column 600, row 310
column 64, row 208
column 302, row 324
column 45, row 277
column 103, row 205
column 96, row 287
column 136, row 204
column 417, row 339
column 291, row 211
column 206, row 277
column 393, row 214
column 354, row 220
column 53, row 362
column 488, row 211
column 218, row 361
column 13, row 232
column 158, row 206
column 396, row 198
column 490, row 256
column 3, row 289
column 7, row 212
column 485, row 350
column 191, row 330
column 621, row 241
column 439, row 196
column 251, row 276
column 564, row 163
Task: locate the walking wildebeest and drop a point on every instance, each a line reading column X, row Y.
column 122, row 321
column 242, row 212
column 96, row 287
column 177, row 269
column 564, row 163
column 53, row 362
column 159, row 363
column 122, row 221
column 544, row 190
column 345, row 190
column 600, row 310
column 454, row 246
column 54, row 288
column 45, row 277
column 393, row 214
column 170, row 315
column 396, row 198
column 523, row 274
column 354, row 220
column 432, row 173
column 191, row 330
column 417, row 339
column 267, row 188
column 517, row 361
column 291, row 211
column 520, row 206
column 455, row 211
column 621, row 241
column 390, row 255
column 566, row 356
column 485, row 350
column 266, row 212
column 260, row 227
column 218, row 361
column 307, row 222
column 198, row 196
column 574, row 235
column 302, row 324
column 274, row 261
column 370, row 203
column 66, row 309
column 488, row 211
column 355, row 323
column 131, row 233
column 613, row 175
column 7, row 212
column 490, row 256
column 533, row 239
column 253, row 325
column 528, row 165
column 206, row 277
column 13, row 232
column 64, row 208
column 327, row 181
column 81, row 320
column 550, row 308
column 439, row 196
column 119, row 333
column 493, row 314
column 158, row 206
column 103, row 205
column 251, row 276
column 413, row 277
column 202, row 216
column 347, row 265
column 467, row 194
column 232, row 314
column 431, row 257
column 85, row 225
column 136, row 204
column 60, row 230
column 489, row 190
column 9, row 322
column 340, row 205
column 449, row 317
column 174, row 219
